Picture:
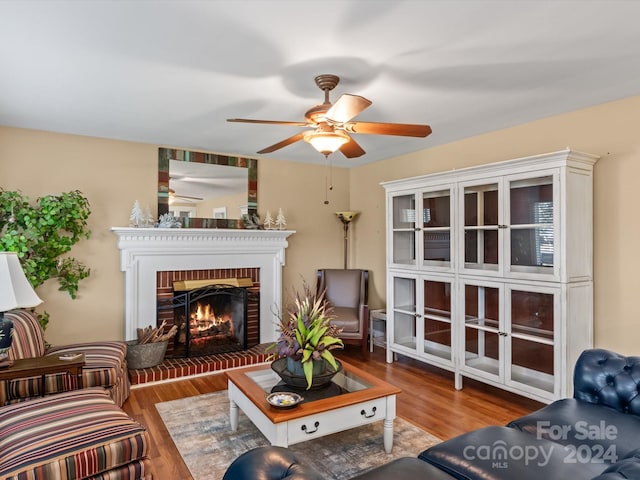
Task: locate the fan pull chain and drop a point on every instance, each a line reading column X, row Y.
column 326, row 191
column 330, row 173
column 328, row 180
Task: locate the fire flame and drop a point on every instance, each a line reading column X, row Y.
column 204, row 318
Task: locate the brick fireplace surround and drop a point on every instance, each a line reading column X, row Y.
column 147, row 251
column 165, row 280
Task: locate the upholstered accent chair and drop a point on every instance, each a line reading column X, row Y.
column 105, row 363
column 347, row 290
column 77, row 435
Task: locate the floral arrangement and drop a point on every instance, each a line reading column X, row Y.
column 307, row 333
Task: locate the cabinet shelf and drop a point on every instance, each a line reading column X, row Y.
column 435, row 314
column 481, row 322
column 480, row 227
column 486, row 364
column 529, row 226
column 531, row 332
column 408, row 309
column 533, row 379
column 437, row 349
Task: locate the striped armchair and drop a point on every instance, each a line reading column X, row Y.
column 105, row 363
column 77, row 435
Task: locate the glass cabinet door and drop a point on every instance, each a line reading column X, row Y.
column 531, row 225
column 404, row 312
column 437, row 318
column 480, row 216
column 436, row 228
column 482, row 328
column 403, row 240
column 510, row 226
column 531, row 340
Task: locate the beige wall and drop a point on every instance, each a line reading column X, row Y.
column 609, row 130
column 232, row 203
column 113, row 174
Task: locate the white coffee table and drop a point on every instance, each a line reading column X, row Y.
column 356, row 398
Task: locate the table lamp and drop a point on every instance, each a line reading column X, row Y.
column 15, row 292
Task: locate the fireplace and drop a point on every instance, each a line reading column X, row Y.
column 210, row 319
column 215, row 310
column 148, row 252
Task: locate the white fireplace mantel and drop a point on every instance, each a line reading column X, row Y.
column 146, row 251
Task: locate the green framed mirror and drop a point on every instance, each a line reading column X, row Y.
column 206, row 190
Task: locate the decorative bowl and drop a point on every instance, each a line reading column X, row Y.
column 300, row 381
column 284, row 400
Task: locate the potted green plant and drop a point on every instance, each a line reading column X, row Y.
column 307, row 335
column 42, row 232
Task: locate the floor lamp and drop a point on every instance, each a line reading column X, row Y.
column 346, row 218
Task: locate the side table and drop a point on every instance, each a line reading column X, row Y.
column 42, row 366
column 379, row 316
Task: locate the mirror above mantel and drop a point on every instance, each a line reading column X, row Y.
column 206, row 190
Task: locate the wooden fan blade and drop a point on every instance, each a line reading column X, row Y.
column 269, row 122
column 283, row 143
column 347, row 107
column 173, row 193
column 401, row 129
column 351, row 149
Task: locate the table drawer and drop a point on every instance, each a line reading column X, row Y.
column 336, row 420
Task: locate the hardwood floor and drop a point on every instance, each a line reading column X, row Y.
column 428, row 400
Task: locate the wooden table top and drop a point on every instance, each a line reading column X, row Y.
column 377, row 389
column 31, row 367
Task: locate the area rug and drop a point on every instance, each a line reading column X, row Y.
column 199, row 427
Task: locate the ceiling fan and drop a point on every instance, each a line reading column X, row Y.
column 332, row 124
column 173, row 196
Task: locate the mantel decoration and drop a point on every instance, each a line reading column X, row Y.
column 307, row 336
column 140, row 217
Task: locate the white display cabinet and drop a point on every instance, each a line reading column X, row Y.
column 490, row 271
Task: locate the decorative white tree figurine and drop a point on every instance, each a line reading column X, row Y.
column 268, row 221
column 280, row 220
column 137, row 217
column 147, row 217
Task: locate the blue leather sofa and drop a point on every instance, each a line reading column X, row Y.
column 594, row 435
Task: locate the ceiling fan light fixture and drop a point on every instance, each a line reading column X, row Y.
column 326, row 142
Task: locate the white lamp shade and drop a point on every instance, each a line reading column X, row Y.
column 15, row 289
column 326, row 142
column 347, row 216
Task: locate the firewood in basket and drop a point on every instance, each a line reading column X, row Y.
column 151, row 335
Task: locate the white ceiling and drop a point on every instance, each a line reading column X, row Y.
column 171, row 72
